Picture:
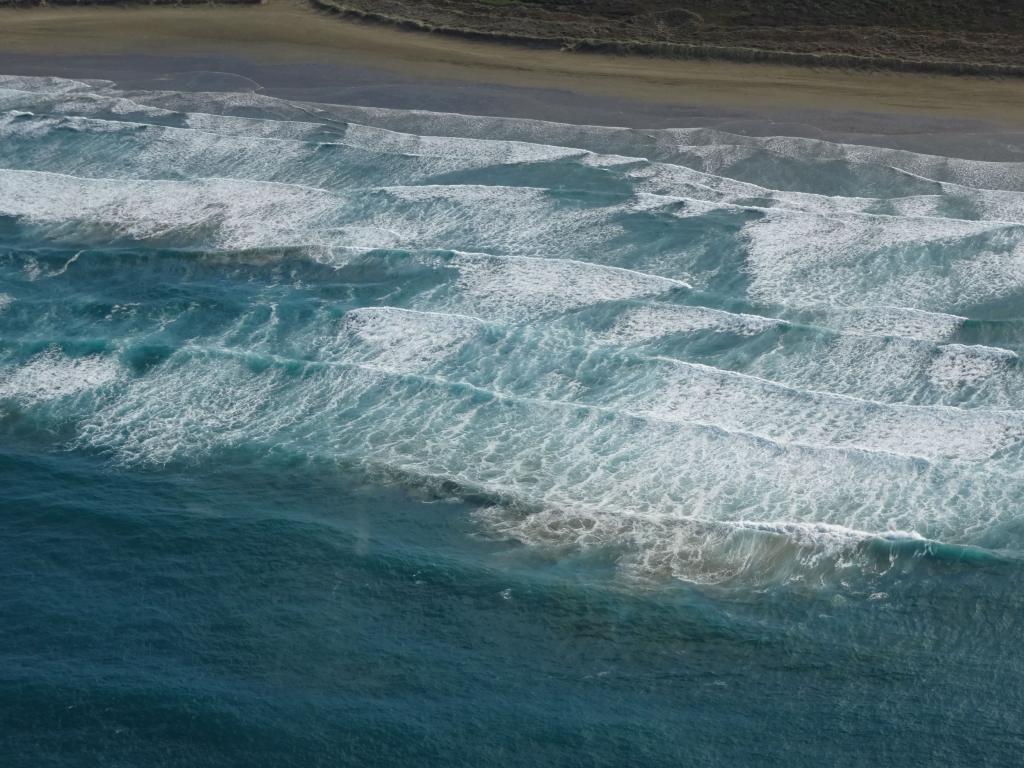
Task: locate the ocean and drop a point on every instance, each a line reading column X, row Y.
column 349, row 435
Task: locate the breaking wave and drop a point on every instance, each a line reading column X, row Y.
column 708, row 356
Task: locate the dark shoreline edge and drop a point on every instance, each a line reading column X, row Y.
column 321, row 82
column 667, row 50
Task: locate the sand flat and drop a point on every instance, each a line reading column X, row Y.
column 291, row 31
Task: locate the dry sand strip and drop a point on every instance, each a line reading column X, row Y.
column 292, row 31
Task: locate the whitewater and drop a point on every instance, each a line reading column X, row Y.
column 768, row 378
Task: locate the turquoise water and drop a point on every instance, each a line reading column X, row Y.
column 350, row 436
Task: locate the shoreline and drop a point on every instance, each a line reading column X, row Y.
column 292, row 32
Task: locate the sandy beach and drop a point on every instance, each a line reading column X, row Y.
column 290, row 32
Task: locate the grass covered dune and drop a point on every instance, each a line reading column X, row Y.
column 295, row 31
column 955, row 36
column 983, row 37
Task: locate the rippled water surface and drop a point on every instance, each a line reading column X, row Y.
column 350, row 436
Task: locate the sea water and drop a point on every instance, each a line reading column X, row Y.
column 336, row 435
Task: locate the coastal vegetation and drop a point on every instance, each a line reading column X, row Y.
column 985, row 37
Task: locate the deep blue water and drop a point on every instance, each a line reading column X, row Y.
column 342, row 436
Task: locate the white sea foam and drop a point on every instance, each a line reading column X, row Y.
column 957, row 365
column 895, row 369
column 644, row 323
column 514, row 288
column 875, row 371
column 972, row 173
column 399, row 339
column 236, row 214
column 251, row 127
column 739, row 402
column 722, row 147
column 804, row 260
column 488, row 151
column 46, row 84
column 486, row 218
column 52, row 375
column 152, row 151
column 893, row 321
column 166, row 417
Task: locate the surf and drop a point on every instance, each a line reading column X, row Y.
column 710, row 357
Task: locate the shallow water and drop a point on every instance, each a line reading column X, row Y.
column 344, row 435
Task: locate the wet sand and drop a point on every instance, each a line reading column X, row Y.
column 290, row 33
